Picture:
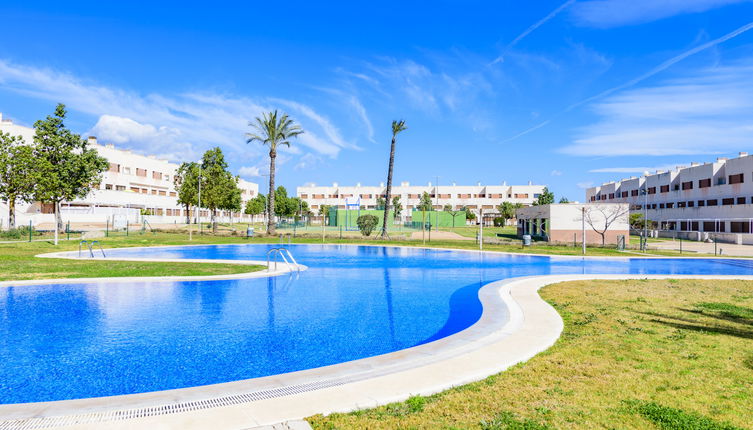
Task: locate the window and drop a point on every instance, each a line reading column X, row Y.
column 727, row 202
column 741, row 200
column 704, row 183
column 119, row 187
column 303, row 196
column 154, row 192
column 661, row 205
column 736, row 179
column 624, row 194
column 611, row 196
column 141, row 172
column 156, row 175
column 135, row 189
column 676, row 187
column 126, row 170
column 691, row 204
column 701, row 203
column 664, row 189
column 712, row 202
column 144, row 191
column 652, row 190
column 108, row 186
column 721, row 181
column 521, row 196
column 670, row 205
column 115, row 168
column 634, row 193
column 681, row 204
column 167, row 177
column 687, row 185
column 739, row 227
column 172, row 194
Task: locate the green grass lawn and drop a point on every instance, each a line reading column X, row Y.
column 647, row 354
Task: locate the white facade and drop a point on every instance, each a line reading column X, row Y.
column 133, row 184
column 565, row 222
column 474, row 197
column 696, row 201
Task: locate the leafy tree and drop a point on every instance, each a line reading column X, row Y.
column 186, row 182
column 397, row 206
column 545, row 198
column 273, row 130
column 564, row 200
column 66, row 166
column 397, row 127
column 285, row 206
column 424, row 203
column 366, row 224
column 469, row 214
column 380, row 202
column 219, row 188
column 17, row 173
column 324, row 210
column 256, row 206
column 448, row 208
column 507, row 210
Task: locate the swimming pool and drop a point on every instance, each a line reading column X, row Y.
column 66, row 341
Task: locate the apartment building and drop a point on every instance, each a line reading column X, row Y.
column 474, row 197
column 700, row 201
column 133, row 185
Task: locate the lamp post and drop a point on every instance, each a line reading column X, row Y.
column 645, row 215
column 198, row 215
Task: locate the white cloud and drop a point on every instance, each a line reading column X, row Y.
column 248, row 172
column 614, row 13
column 584, row 185
column 708, row 113
column 175, row 126
column 361, row 111
column 556, row 173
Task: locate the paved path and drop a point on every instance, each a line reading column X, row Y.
column 727, row 249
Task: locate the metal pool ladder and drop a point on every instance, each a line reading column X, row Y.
column 90, row 246
column 282, row 252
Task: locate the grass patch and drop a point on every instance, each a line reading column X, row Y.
column 667, row 418
column 644, row 340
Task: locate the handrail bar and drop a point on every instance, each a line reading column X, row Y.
column 91, row 246
column 276, row 252
column 287, row 251
column 79, row 246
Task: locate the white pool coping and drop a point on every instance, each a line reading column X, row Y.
column 491, row 345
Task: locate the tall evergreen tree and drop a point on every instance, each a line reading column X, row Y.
column 67, row 168
column 397, row 127
column 273, row 130
column 17, row 173
column 219, row 188
column 186, row 182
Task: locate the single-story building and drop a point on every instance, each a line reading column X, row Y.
column 603, row 223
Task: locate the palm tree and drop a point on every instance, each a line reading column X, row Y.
column 273, row 129
column 397, row 127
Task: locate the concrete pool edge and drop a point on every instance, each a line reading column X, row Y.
column 487, row 347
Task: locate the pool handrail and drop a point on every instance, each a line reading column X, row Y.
column 279, row 251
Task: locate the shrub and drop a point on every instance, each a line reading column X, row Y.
column 16, row 233
column 499, row 221
column 366, row 224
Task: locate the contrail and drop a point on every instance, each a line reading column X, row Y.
column 661, row 67
column 665, row 65
column 530, row 29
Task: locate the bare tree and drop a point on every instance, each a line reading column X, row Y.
column 601, row 217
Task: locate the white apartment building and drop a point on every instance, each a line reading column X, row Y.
column 475, row 197
column 133, row 185
column 698, row 202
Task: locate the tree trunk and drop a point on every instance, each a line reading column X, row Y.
column 271, row 199
column 11, row 213
column 188, row 214
column 58, row 218
column 214, row 221
column 388, row 194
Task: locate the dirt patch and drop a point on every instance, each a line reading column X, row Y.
column 439, row 235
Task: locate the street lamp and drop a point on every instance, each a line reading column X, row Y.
column 645, row 215
column 198, row 216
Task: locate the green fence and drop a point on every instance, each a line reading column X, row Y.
column 347, row 218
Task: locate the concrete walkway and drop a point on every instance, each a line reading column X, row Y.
column 722, row 249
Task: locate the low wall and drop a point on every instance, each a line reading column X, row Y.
column 703, row 236
column 592, row 237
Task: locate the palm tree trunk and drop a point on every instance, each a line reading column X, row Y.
column 11, row 213
column 388, row 194
column 271, row 200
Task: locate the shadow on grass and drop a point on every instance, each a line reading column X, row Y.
column 687, row 323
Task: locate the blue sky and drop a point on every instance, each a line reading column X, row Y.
column 564, row 93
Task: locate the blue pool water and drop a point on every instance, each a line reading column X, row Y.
column 69, row 341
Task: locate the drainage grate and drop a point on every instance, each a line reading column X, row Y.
column 196, row 405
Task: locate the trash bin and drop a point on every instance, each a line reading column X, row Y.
column 526, row 240
column 249, row 232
